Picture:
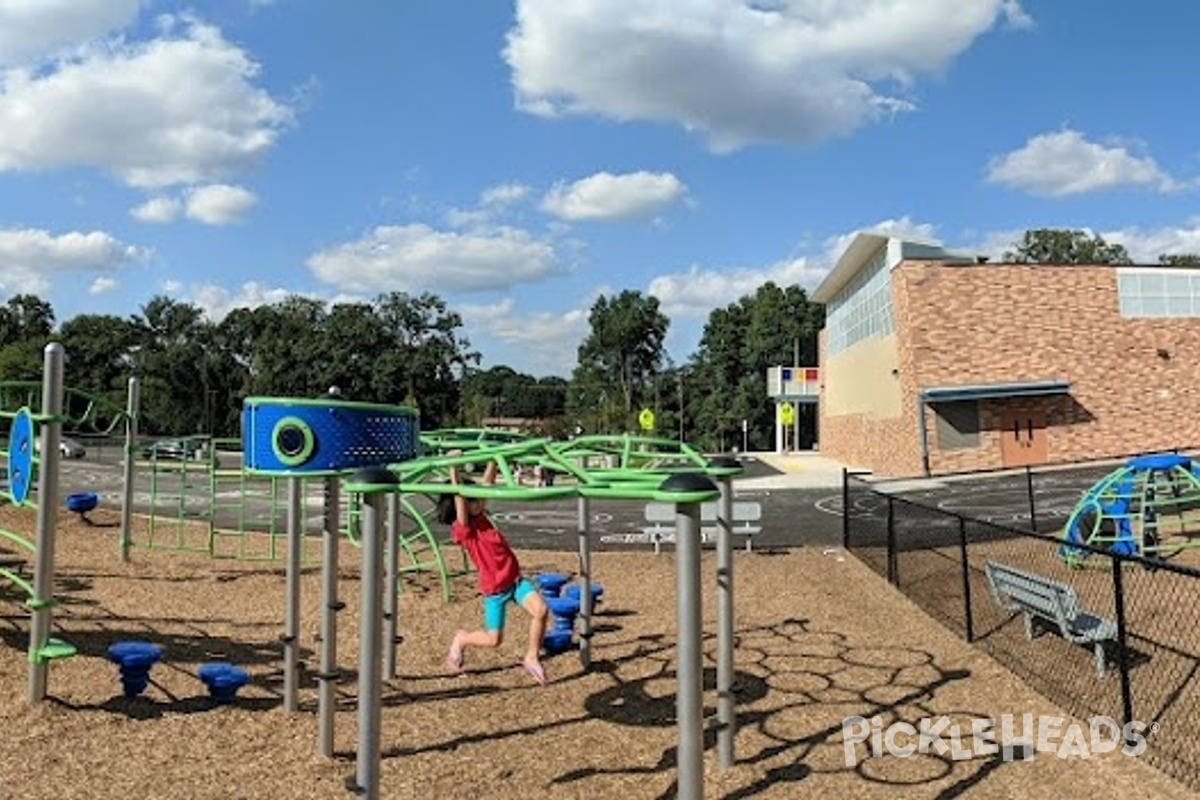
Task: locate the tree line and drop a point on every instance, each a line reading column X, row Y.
column 411, row 350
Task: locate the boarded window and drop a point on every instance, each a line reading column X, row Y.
column 957, row 424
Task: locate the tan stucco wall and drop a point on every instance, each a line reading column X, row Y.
column 861, row 380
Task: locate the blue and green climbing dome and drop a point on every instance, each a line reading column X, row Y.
column 1149, row 506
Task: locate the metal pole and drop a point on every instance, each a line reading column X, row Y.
column 795, row 426
column 131, row 434
column 1122, row 641
column 891, row 541
column 391, row 597
column 370, row 665
column 329, row 674
column 689, row 668
column 585, row 586
column 291, row 632
column 47, row 508
column 966, row 578
column 1032, row 502
column 726, row 713
column 845, row 509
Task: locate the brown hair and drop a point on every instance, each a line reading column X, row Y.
column 447, row 511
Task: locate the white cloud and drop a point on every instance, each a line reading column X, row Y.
column 157, row 209
column 30, row 257
column 504, row 194
column 219, row 203
column 605, row 196
column 103, row 285
column 217, row 301
column 696, row 292
column 420, row 258
column 31, row 29
column 1145, row 246
column 739, row 72
column 181, row 108
column 1066, row 163
column 468, row 218
column 902, row 228
column 540, row 342
column 493, row 202
column 1017, row 17
column 214, row 204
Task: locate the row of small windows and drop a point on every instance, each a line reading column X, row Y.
column 861, row 308
column 1159, row 293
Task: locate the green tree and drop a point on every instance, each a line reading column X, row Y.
column 1180, row 259
column 100, row 349
column 728, row 377
column 23, row 360
column 169, row 358
column 623, row 352
column 1057, row 246
column 25, row 316
column 100, row 358
column 501, row 391
column 427, row 356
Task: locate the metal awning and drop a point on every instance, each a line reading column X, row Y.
column 994, row 391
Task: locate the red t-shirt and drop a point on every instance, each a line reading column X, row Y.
column 489, row 552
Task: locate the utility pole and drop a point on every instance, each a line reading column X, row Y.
column 679, row 378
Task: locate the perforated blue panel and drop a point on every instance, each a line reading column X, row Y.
column 288, row 437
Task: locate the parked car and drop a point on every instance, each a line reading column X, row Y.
column 177, row 449
column 69, row 448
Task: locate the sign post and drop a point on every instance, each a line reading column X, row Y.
column 789, row 387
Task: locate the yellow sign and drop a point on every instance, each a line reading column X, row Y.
column 646, row 419
column 787, row 414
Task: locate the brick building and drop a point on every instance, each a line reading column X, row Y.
column 934, row 363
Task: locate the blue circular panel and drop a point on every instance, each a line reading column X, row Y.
column 289, row 437
column 20, row 456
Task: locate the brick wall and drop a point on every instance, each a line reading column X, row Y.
column 1000, row 323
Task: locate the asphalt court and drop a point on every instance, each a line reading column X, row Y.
column 1002, row 500
column 791, row 517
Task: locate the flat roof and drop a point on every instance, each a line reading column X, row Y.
column 850, row 263
column 862, row 249
column 991, row 391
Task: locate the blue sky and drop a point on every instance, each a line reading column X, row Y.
column 521, row 158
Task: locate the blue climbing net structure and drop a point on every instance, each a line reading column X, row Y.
column 1149, row 506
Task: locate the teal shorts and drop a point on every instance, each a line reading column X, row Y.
column 494, row 604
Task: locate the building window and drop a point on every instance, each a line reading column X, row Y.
column 1158, row 291
column 957, row 424
column 861, row 308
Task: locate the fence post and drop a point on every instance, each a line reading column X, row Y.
column 892, row 577
column 966, row 577
column 1122, row 649
column 1032, row 503
column 845, row 508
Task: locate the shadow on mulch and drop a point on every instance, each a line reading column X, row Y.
column 632, row 703
column 629, row 703
column 142, row 707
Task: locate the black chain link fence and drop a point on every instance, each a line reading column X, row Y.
column 1142, row 611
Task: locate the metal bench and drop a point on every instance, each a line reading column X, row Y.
column 1052, row 602
column 662, row 515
